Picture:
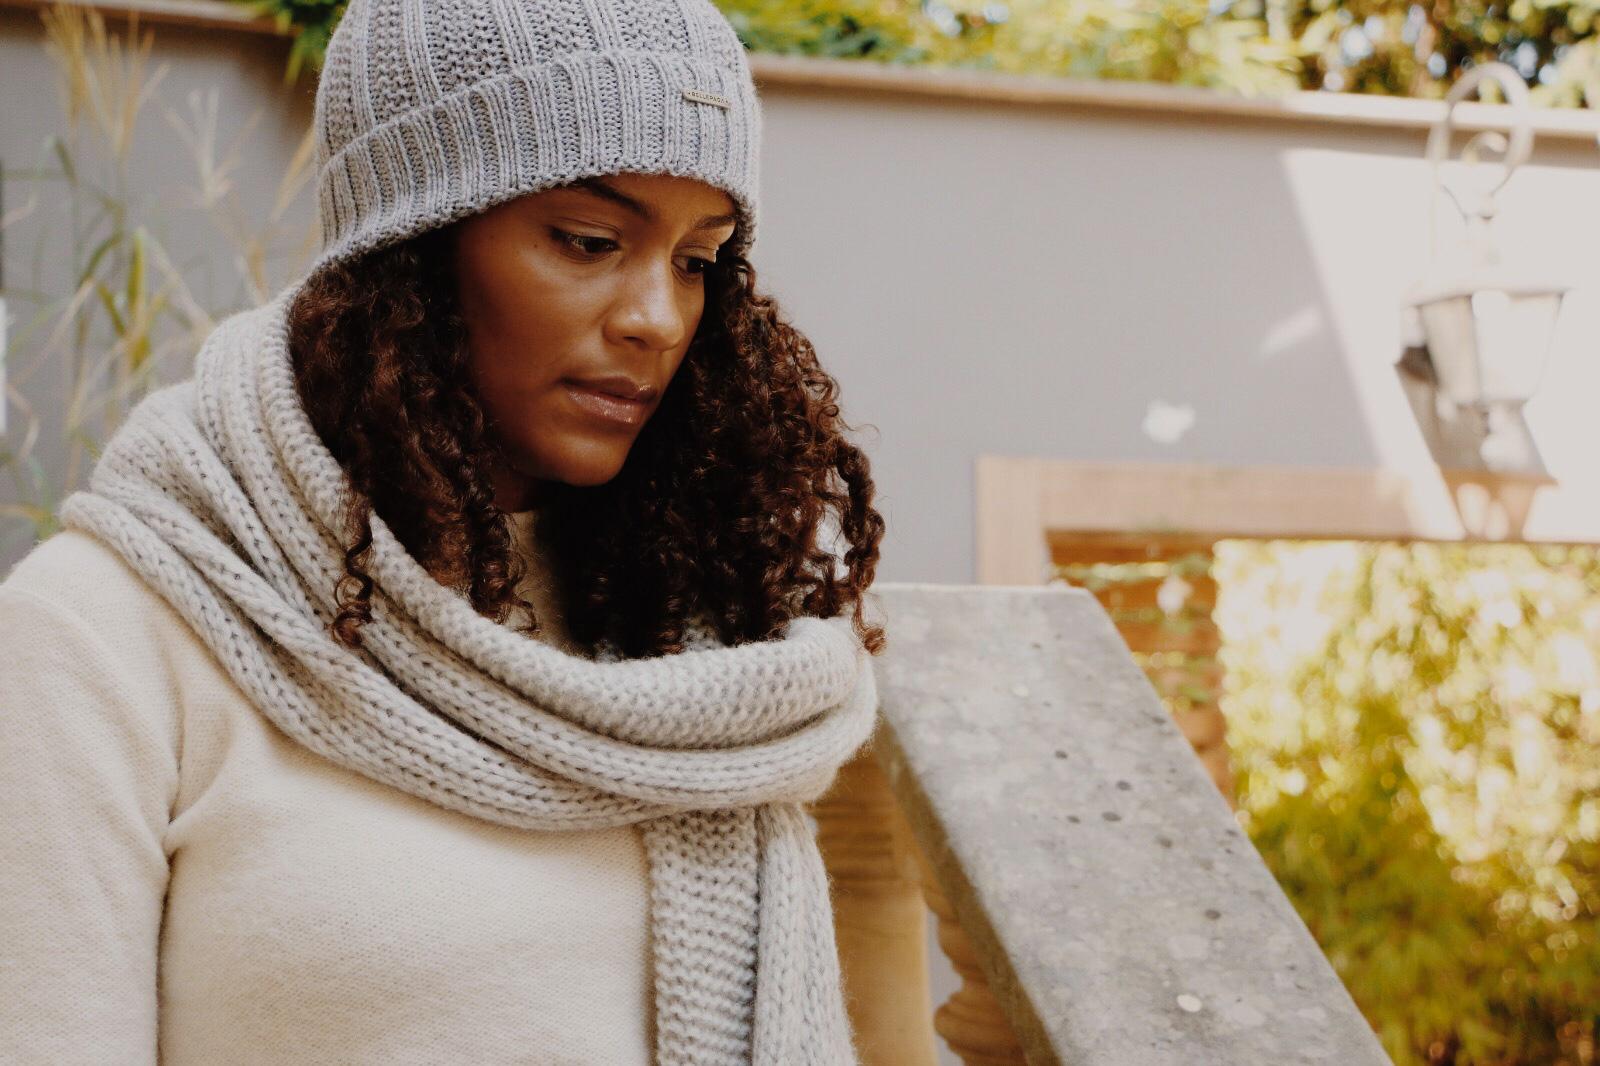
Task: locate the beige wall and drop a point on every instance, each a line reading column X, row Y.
column 1028, row 278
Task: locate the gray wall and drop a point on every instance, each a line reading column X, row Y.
column 1028, row 279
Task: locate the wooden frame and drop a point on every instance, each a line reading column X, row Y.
column 1022, row 503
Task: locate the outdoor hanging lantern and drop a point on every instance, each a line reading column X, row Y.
column 1488, row 336
column 1487, row 328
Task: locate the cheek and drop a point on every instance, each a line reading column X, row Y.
column 517, row 370
column 519, row 328
column 517, row 381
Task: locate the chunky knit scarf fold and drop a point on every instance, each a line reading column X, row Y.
column 220, row 494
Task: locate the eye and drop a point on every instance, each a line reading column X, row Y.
column 698, row 267
column 582, row 243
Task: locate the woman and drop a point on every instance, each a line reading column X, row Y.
column 437, row 675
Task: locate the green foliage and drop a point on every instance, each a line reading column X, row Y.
column 1175, row 41
column 1178, row 41
column 1416, row 734
column 1391, row 47
column 311, row 21
column 843, row 29
column 1152, row 40
column 1398, row 48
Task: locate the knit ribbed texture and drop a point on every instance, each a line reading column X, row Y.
column 220, row 494
column 430, row 110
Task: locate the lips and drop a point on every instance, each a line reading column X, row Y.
column 618, row 385
column 616, row 400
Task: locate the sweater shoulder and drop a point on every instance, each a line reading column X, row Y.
column 130, row 631
column 82, row 575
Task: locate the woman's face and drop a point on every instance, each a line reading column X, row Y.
column 580, row 304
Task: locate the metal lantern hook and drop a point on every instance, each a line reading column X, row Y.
column 1477, row 206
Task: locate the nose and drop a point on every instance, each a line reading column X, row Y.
column 650, row 308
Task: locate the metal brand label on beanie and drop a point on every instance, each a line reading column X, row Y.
column 703, row 97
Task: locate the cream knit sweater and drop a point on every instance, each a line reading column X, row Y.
column 180, row 883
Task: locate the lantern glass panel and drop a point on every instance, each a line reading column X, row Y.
column 1491, row 346
column 1453, row 346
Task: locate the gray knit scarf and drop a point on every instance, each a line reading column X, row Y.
column 220, row 494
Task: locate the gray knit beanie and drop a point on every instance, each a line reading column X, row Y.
column 431, row 110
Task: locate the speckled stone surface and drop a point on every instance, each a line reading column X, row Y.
column 1123, row 917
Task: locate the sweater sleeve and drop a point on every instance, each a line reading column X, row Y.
column 88, row 775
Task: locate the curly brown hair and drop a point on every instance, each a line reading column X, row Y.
column 713, row 520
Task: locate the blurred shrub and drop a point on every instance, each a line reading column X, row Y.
column 1392, row 47
column 1399, row 48
column 312, row 22
column 842, row 29
column 1416, row 734
column 1184, row 41
column 1178, row 41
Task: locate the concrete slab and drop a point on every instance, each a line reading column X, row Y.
column 1122, row 916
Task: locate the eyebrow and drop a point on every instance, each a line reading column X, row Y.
column 596, row 187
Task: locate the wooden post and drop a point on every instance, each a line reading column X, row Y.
column 880, row 919
column 970, row 1021
column 1010, row 523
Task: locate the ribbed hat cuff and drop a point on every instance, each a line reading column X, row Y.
column 501, row 137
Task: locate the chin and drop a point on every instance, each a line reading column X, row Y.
column 590, row 477
column 588, row 469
